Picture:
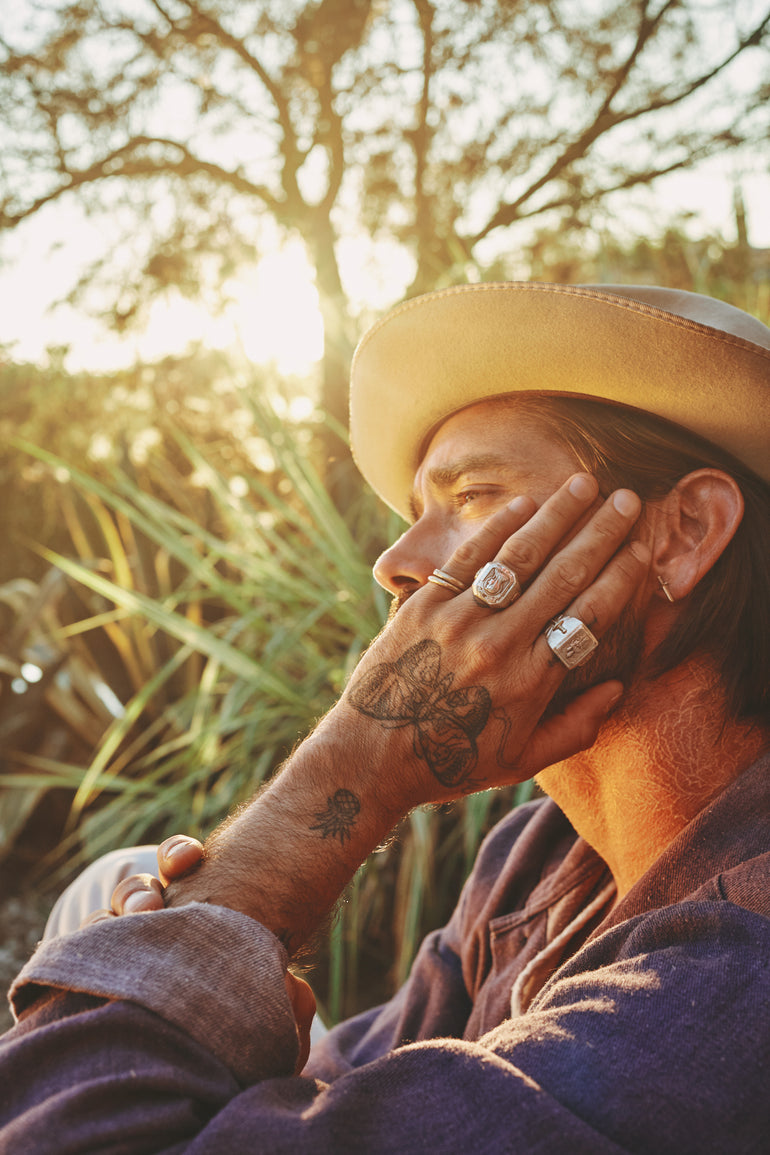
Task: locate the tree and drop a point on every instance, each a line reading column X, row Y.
column 436, row 125
column 734, row 271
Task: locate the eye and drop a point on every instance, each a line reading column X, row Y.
column 467, row 497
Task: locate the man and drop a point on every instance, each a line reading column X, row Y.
column 604, row 982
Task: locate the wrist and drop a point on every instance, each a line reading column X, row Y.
column 285, row 859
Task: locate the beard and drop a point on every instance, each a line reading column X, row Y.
column 398, row 601
column 618, row 657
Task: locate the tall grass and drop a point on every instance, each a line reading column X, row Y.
column 210, row 633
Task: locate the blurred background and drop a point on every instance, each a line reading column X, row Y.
column 202, row 207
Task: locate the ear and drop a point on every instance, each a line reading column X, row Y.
column 692, row 526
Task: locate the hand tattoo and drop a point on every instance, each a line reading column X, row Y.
column 339, row 817
column 412, row 691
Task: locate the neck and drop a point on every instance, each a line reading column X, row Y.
column 669, row 749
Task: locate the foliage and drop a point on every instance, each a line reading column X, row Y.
column 200, row 623
column 151, row 682
column 190, row 644
column 736, row 272
column 431, row 125
column 130, row 420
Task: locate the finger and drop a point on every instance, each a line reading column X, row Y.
column 177, row 855
column 598, row 608
column 140, row 892
column 522, row 536
column 574, row 568
column 573, row 730
column 600, row 605
column 484, row 544
column 527, row 550
column 97, row 916
column 304, row 1007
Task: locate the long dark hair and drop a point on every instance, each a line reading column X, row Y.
column 728, row 614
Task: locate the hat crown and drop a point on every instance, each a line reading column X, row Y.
column 693, row 360
column 694, row 307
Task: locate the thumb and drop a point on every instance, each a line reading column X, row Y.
column 575, row 729
column 177, row 855
column 303, row 1005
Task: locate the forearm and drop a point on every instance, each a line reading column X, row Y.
column 286, row 858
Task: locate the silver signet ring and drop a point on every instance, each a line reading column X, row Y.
column 571, row 641
column 495, row 586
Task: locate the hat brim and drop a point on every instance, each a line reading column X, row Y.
column 439, row 353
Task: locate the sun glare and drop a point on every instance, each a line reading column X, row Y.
column 271, row 314
column 275, row 312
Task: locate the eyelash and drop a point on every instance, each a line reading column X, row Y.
column 467, row 496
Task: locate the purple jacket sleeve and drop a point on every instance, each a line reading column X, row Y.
column 171, row 1032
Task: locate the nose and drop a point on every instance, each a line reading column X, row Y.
column 405, row 566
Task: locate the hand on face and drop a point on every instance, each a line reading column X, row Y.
column 456, row 690
column 450, row 698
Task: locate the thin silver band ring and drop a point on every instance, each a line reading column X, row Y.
column 440, row 577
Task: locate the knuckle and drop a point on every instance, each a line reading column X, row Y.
column 625, row 569
column 524, row 555
column 467, row 553
column 569, row 573
column 589, row 612
column 611, row 528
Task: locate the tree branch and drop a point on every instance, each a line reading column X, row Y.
column 120, row 163
column 606, row 119
column 293, row 156
column 631, row 180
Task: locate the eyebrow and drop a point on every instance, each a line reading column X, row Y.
column 444, row 476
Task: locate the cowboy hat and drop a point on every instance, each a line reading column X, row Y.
column 691, row 359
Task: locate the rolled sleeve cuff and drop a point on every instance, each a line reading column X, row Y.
column 215, row 973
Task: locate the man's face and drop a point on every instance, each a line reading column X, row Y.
column 477, row 462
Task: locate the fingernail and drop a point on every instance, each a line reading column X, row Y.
column 180, row 846
column 582, row 487
column 626, row 502
column 135, row 902
column 520, row 504
column 174, row 849
column 641, row 552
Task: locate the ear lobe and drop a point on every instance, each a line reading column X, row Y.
column 695, row 523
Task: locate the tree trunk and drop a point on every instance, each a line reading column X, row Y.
column 342, row 478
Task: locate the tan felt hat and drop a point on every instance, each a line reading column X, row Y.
column 691, row 359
